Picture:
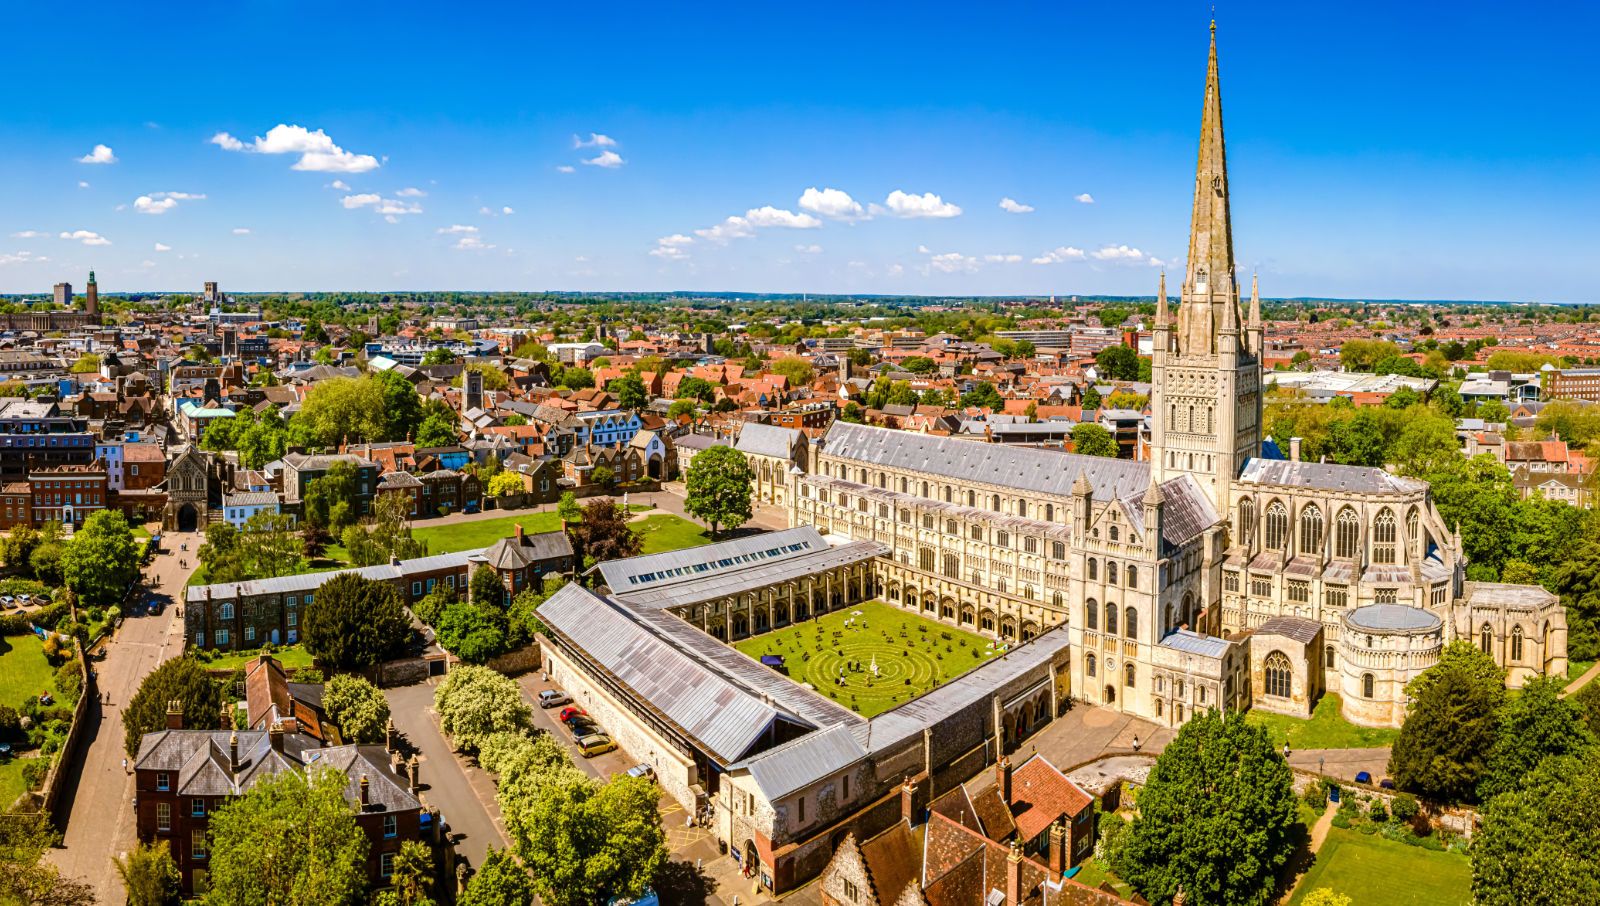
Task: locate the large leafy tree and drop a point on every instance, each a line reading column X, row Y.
column 101, row 559
column 1451, row 728
column 476, row 702
column 478, row 630
column 149, row 874
column 629, row 390
column 1117, row 363
column 355, row 622
column 412, row 882
column 386, row 534
column 1577, row 580
column 983, row 395
column 1540, row 843
column 339, row 410
column 717, row 488
column 402, row 408
column 438, row 428
column 26, row 877
column 330, row 499
column 1534, row 725
column 1093, row 440
column 502, row 881
column 259, row 438
column 357, row 707
column 603, row 533
column 182, row 680
column 1215, row 817
column 291, row 840
column 585, row 841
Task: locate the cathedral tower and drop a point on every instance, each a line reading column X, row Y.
column 1206, row 363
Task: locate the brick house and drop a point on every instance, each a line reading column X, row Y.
column 182, row 777
column 67, row 494
column 406, row 484
column 523, row 560
column 299, row 470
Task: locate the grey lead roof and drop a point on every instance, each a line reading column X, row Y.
column 790, row 567
column 304, row 582
column 1023, row 468
column 1360, row 479
column 699, row 562
column 1192, row 642
column 1392, row 617
column 767, row 440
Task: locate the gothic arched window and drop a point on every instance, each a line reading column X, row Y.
column 1311, row 530
column 1111, row 618
column 1347, row 534
column 1247, row 521
column 1486, row 639
column 1412, row 519
column 1132, row 576
column 1279, row 675
column 1130, row 623
column 1277, row 525
column 1111, row 571
column 1383, row 537
column 1367, row 684
column 1127, row 676
column 1094, row 569
column 1516, row 643
column 1088, row 665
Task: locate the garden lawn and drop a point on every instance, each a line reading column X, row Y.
column 1575, row 669
column 290, row 658
column 461, row 536
column 1325, row 730
column 913, row 654
column 24, row 673
column 1374, row 871
column 11, row 783
column 666, row 532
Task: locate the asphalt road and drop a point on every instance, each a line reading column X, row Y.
column 100, row 824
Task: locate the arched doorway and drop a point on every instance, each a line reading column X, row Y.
column 188, row 518
column 1111, row 694
column 654, row 468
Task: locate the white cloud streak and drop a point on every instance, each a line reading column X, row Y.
column 102, row 154
column 595, row 140
column 317, row 151
column 86, row 237
column 832, row 203
column 1059, row 255
column 608, row 160
column 1012, row 206
column 902, row 204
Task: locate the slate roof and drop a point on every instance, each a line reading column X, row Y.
column 1300, row 629
column 1023, row 468
column 522, row 550
column 1326, row 476
column 767, row 440
column 1194, row 643
column 706, row 579
column 1517, row 597
column 312, row 581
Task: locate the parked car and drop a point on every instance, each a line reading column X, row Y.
column 642, row 770
column 583, row 726
column 1363, row 777
column 595, row 744
column 567, row 714
column 549, row 698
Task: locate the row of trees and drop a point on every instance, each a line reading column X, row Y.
column 98, row 563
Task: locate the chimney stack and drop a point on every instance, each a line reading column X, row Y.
column 1014, row 876
column 1002, row 776
column 414, row 775
column 1294, row 449
column 908, row 802
column 174, row 715
column 519, row 534
column 1058, row 849
column 366, row 794
column 233, row 752
column 388, row 734
column 275, row 737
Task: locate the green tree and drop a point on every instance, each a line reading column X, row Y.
column 717, row 488
column 402, row 407
column 101, row 560
column 437, row 430
column 341, row 409
column 182, row 680
column 1215, row 817
column 330, row 499
column 852, row 413
column 567, row 508
column 17, row 547
column 412, row 881
column 505, row 484
column 1090, row 439
column 918, row 364
column 475, row 702
column 1427, row 443
column 1117, row 363
column 474, row 631
column 694, row 388
column 603, row 533
column 1091, row 399
column 493, row 378
column 604, row 476
column 983, row 395
column 1451, row 727
column 487, row 587
column 682, row 409
column 1588, row 699
column 385, row 535
column 502, row 881
column 585, row 842
column 149, row 874
column 1540, row 843
column 355, row 623
column 269, row 546
column 88, row 363
column 357, row 707
column 438, row 355
column 26, row 877
column 290, row 840
column 799, row 371
column 629, row 391
column 1534, row 725
column 578, row 378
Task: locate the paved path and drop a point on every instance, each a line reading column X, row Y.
column 1319, row 833
column 100, row 824
column 1343, row 764
column 1587, row 677
column 463, row 794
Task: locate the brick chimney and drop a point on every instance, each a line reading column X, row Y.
column 414, row 775
column 275, row 737
column 233, row 752
column 1058, row 849
column 388, row 734
column 1002, row 777
column 366, row 793
column 1294, row 449
column 519, row 534
column 908, row 802
column 1014, row 876
column 174, row 715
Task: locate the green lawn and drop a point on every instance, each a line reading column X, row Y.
column 666, row 532
column 11, row 785
column 1093, row 870
column 290, row 657
column 1325, row 730
column 1374, row 871
column 24, row 673
column 913, row 654
column 460, row 536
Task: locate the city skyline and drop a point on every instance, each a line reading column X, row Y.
column 631, row 150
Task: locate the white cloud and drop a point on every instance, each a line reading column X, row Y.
column 924, row 250
column 1085, row 198
column 471, row 243
column 22, row 257
column 808, row 249
column 607, row 159
column 241, row 231
column 507, row 210
column 834, row 203
column 163, row 247
column 896, row 270
column 393, row 207
column 927, row 204
column 102, row 154
column 147, row 263
column 411, row 192
column 675, row 239
column 83, row 184
column 595, row 140
column 86, row 237
column 30, row 234
column 1003, row 259
column 732, row 228
column 671, row 247
column 457, row 228
column 162, row 202
column 769, row 216
column 566, row 169
column 1059, row 255
column 360, row 201
column 1118, row 253
column 1011, row 205
column 339, row 184
column 317, row 151
column 953, row 262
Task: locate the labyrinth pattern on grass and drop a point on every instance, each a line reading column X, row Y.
column 835, row 655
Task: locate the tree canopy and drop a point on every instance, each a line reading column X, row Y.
column 718, row 488
column 1452, row 726
column 354, row 623
column 1117, row 363
column 290, row 840
column 183, row 680
column 101, row 560
column 1535, row 724
column 603, row 533
column 1091, row 439
column 358, row 708
column 1540, row 843
column 475, row 703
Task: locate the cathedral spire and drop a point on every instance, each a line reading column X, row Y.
column 1210, row 299
column 1161, row 303
column 1255, row 302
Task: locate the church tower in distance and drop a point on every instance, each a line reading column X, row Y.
column 1206, row 363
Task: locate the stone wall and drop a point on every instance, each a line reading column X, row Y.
column 515, row 663
column 49, row 798
column 403, row 672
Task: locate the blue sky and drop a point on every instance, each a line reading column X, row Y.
column 1376, row 150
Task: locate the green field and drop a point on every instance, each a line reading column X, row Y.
column 666, row 532
column 24, row 673
column 913, row 654
column 1374, row 871
column 460, row 536
column 11, row 785
column 1325, row 730
column 290, row 657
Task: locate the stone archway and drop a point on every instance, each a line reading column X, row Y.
column 188, row 518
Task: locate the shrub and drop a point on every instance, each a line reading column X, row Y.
column 33, row 772
column 1405, row 807
column 1378, row 812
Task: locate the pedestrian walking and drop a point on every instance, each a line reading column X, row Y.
column 124, row 765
